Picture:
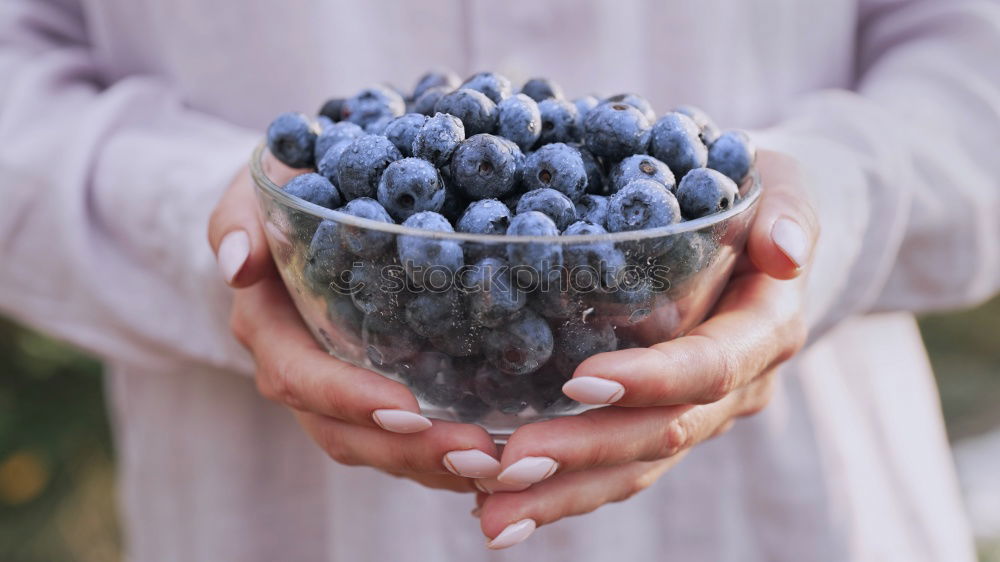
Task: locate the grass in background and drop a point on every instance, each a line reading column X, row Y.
column 56, row 474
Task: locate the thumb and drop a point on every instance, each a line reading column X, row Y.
column 234, row 229
column 785, row 229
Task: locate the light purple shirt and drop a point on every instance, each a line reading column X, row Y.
column 122, row 120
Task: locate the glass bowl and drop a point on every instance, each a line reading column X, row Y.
column 492, row 342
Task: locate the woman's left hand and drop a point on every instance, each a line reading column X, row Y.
column 671, row 396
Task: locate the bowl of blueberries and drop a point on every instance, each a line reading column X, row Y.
column 478, row 244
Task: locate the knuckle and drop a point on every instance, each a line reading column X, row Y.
column 675, row 438
column 333, row 444
column 725, row 375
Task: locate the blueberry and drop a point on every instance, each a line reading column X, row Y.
column 641, row 205
column 492, row 85
column 362, row 240
column 704, row 191
column 596, row 179
column 533, row 261
column 508, row 394
column 429, row 261
column 436, row 79
column 491, row 293
column 427, row 101
column 464, row 339
column 331, row 109
column 315, row 189
column 388, row 340
column 690, row 253
column 291, row 138
column 540, row 89
column 547, row 396
column 454, row 205
column 627, row 304
column 334, row 134
column 327, row 166
column 733, row 154
column 636, row 101
column 577, row 340
column 640, row 166
column 433, row 313
column 520, row 346
column 519, row 120
column 558, row 122
column 675, row 140
column 477, row 112
column 402, row 130
column 470, row 407
column 434, row 378
column 592, row 265
column 378, row 126
column 552, row 203
column 437, row 140
column 485, row 166
column 378, row 287
column 593, row 208
column 328, row 263
column 557, row 166
column 583, row 107
column 708, row 130
column 371, row 104
column 487, row 216
column 558, row 300
column 616, row 130
column 409, row 186
column 361, row 165
column 344, row 316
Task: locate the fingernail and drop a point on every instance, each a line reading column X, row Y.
column 513, row 534
column 475, row 512
column 400, row 421
column 593, row 390
column 492, row 486
column 529, row 470
column 233, row 253
column 791, row 239
column 471, row 463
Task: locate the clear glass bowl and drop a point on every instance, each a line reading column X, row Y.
column 461, row 350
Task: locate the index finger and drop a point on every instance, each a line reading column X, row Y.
column 294, row 370
column 757, row 326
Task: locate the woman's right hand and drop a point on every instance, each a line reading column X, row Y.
column 357, row 416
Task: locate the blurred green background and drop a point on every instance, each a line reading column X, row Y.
column 56, row 460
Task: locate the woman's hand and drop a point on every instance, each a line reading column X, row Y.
column 671, row 396
column 358, row 417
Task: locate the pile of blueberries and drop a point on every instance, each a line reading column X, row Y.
column 477, row 327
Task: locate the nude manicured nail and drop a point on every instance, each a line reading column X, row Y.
column 593, row 390
column 491, row 486
column 233, row 253
column 513, row 534
column 400, row 421
column 471, row 463
column 529, row 470
column 791, row 239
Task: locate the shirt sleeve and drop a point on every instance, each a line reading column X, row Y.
column 903, row 169
column 105, row 196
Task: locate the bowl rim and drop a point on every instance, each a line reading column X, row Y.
column 750, row 192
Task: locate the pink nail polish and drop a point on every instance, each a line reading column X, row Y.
column 593, row 390
column 791, row 239
column 400, row 421
column 493, row 486
column 513, row 534
column 528, row 471
column 233, row 253
column 471, row 463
